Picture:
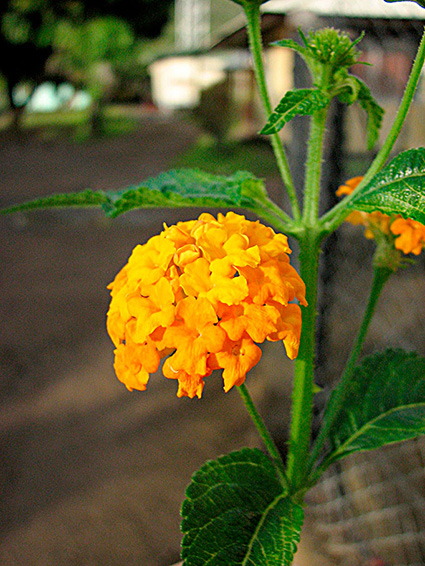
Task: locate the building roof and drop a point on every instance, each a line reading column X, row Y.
column 347, row 8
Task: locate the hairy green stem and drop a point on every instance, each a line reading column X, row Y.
column 314, row 168
column 276, row 217
column 263, row 432
column 338, row 398
column 303, row 389
column 253, row 16
column 334, row 217
column 302, row 394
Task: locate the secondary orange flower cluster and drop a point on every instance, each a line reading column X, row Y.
column 410, row 234
column 203, row 292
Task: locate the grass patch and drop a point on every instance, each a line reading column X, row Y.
column 254, row 155
column 74, row 125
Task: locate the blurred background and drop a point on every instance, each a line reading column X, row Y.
column 103, row 95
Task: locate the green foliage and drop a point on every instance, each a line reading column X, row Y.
column 328, row 54
column 174, row 189
column 236, row 513
column 374, row 112
column 77, row 38
column 385, row 403
column 15, row 28
column 145, row 19
column 353, row 89
column 301, row 102
column 86, row 198
column 191, row 187
column 398, row 189
column 221, row 158
column 330, row 47
column 89, row 51
column 103, row 38
column 291, row 44
column 75, row 125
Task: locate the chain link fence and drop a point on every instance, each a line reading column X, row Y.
column 369, row 510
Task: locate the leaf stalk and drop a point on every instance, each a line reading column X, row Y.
column 263, row 432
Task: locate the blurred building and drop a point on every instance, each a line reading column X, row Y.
column 219, row 59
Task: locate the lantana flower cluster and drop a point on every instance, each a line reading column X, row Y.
column 204, row 293
column 408, row 234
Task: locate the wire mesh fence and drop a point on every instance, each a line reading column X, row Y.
column 369, row 510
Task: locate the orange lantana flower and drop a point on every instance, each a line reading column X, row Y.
column 411, row 234
column 237, row 358
column 203, row 293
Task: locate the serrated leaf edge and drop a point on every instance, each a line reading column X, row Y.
column 273, row 127
column 378, row 183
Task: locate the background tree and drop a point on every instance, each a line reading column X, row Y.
column 87, row 42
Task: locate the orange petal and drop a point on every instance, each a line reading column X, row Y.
column 236, row 360
column 196, row 277
column 189, row 385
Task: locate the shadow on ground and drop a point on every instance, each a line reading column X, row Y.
column 91, row 474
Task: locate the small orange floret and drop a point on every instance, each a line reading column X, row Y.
column 411, row 234
column 349, row 186
column 203, row 293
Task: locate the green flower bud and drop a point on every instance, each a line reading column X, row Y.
column 332, row 47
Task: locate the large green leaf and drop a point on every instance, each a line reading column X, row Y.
column 301, row 102
column 176, row 188
column 398, row 189
column 191, row 187
column 237, row 513
column 385, row 404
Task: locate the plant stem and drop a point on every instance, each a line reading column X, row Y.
column 253, row 16
column 263, row 431
column 302, row 393
column 276, row 217
column 314, row 168
column 337, row 400
column 333, row 218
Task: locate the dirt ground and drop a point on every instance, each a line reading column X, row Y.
column 91, row 474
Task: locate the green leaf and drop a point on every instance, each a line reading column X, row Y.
column 84, row 199
column 237, row 513
column 348, row 87
column 291, row 44
column 385, row 404
column 177, row 188
column 302, row 102
column 374, row 112
column 191, row 187
column 398, row 189
column 354, row 89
